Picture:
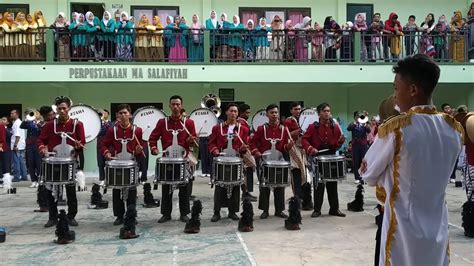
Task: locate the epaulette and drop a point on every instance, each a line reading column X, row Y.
column 393, row 123
column 455, row 125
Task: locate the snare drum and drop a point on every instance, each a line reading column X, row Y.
column 171, row 171
column 121, row 173
column 276, row 173
column 331, row 167
column 58, row 170
column 227, row 170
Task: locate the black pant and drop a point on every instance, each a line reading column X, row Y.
column 42, row 196
column 205, row 156
column 33, row 161
column 167, row 200
column 190, row 186
column 249, row 175
column 331, row 187
column 71, row 202
column 108, row 48
column 119, row 205
column 101, row 165
column 278, row 196
column 358, row 153
column 331, row 54
column 80, row 165
column 220, row 198
column 296, row 173
column 143, row 163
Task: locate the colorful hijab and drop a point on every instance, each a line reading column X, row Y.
column 157, row 22
column 213, row 20
column 106, row 21
column 42, row 19
column 90, row 21
column 238, row 21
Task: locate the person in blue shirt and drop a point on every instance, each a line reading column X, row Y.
column 249, row 40
column 78, row 36
column 124, row 38
column 261, row 40
column 360, row 130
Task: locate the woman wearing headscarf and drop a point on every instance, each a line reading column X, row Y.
column 169, row 21
column 79, row 39
column 62, row 42
column 302, row 39
column 426, row 41
column 196, row 48
column 142, row 39
column 74, row 17
column 331, row 39
column 290, row 41
column 439, row 38
column 124, row 38
column 92, row 42
column 9, row 26
column 317, row 40
column 457, row 43
column 175, row 35
column 38, row 17
column 261, row 40
column 212, row 26
column 106, row 36
column 346, row 51
column 249, row 40
column 2, row 40
column 156, row 40
column 32, row 38
column 360, row 25
column 235, row 42
column 277, row 46
column 22, row 49
column 394, row 27
column 223, row 38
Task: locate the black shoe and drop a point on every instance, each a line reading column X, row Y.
column 316, row 214
column 72, row 222
column 50, row 223
column 216, row 217
column 337, row 213
column 264, row 215
column 164, row 219
column 308, row 207
column 118, row 221
column 192, row 198
column 184, row 218
column 233, row 216
column 252, row 197
column 281, row 214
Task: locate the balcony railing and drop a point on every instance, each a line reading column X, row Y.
column 229, row 46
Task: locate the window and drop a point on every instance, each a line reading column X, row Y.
column 5, row 109
column 353, row 9
column 161, row 11
column 14, row 8
column 97, row 9
column 296, row 15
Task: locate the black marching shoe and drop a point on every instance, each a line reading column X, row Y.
column 264, row 215
column 164, row 219
column 50, row 223
column 337, row 213
column 118, row 221
column 72, row 222
column 184, row 218
column 233, row 216
column 316, row 214
column 281, row 214
column 216, row 217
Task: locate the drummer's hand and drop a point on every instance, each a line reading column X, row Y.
column 363, row 167
column 154, row 151
column 243, row 148
column 78, row 145
column 342, row 139
column 190, row 140
column 258, row 154
column 138, row 149
column 313, row 151
column 215, row 153
column 290, row 144
column 43, row 152
column 108, row 156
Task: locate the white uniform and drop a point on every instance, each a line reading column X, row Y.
column 410, row 162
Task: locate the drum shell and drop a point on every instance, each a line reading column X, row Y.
column 227, row 170
column 121, row 174
column 58, row 170
column 276, row 173
column 170, row 170
column 331, row 167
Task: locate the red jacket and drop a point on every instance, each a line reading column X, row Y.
column 258, row 143
column 292, row 124
column 3, row 136
column 469, row 151
column 325, row 136
column 50, row 139
column 160, row 132
column 389, row 24
column 114, row 146
column 244, row 123
column 218, row 139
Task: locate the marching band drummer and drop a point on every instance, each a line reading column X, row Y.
column 186, row 139
column 49, row 139
column 259, row 143
column 112, row 142
column 247, row 188
column 105, row 125
column 325, row 134
column 217, row 143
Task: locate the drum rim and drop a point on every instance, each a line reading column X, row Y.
column 61, row 160
column 124, row 163
column 96, row 111
column 170, row 160
column 203, row 108
column 258, row 111
column 279, row 163
column 304, row 109
column 321, row 158
column 224, row 158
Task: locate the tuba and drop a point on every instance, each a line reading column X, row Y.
column 211, row 101
column 30, row 114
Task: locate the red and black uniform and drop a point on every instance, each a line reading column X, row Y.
column 248, row 187
column 49, row 139
column 112, row 143
column 100, row 158
column 162, row 132
column 218, row 142
column 321, row 136
column 3, row 146
column 259, row 143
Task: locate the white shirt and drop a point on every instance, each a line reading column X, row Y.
column 411, row 160
column 18, row 132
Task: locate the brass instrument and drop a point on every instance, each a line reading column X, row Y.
column 30, row 114
column 211, row 101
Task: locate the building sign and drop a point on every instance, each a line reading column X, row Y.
column 131, row 73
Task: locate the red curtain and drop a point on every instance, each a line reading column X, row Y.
column 246, row 15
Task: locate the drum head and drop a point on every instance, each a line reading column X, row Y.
column 89, row 117
column 259, row 118
column 307, row 117
column 146, row 118
column 204, row 120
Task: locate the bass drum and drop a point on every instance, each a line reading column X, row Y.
column 146, row 118
column 259, row 118
column 89, row 117
column 204, row 120
column 307, row 117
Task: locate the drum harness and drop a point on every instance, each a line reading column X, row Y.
column 124, row 142
column 273, row 155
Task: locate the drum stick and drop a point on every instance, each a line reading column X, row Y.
column 71, row 138
column 187, row 131
column 138, row 143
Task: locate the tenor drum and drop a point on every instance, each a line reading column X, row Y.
column 171, row 170
column 276, row 173
column 227, row 170
column 146, row 118
column 121, row 173
column 204, row 120
column 89, row 117
column 259, row 119
column 331, row 167
column 307, row 117
column 58, row 170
